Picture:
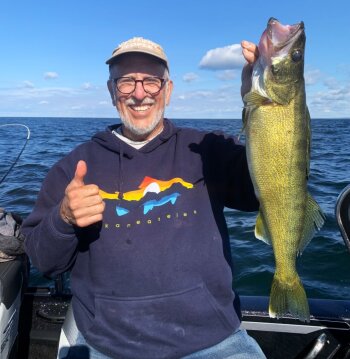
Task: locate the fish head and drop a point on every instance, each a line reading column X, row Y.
column 280, row 67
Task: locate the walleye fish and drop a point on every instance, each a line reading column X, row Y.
column 277, row 126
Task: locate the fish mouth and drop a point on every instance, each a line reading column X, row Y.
column 280, row 35
column 278, row 38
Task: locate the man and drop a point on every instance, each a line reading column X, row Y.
column 136, row 214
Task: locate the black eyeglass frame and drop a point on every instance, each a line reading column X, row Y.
column 162, row 83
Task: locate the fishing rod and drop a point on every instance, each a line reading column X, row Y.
column 21, row 151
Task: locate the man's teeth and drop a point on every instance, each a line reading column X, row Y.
column 141, row 108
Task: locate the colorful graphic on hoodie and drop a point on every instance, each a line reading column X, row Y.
column 148, row 185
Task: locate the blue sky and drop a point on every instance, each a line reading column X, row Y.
column 53, row 53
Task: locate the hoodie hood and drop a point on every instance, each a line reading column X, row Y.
column 109, row 141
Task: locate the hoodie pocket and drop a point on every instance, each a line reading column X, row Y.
column 161, row 326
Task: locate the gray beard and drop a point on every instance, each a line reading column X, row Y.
column 141, row 131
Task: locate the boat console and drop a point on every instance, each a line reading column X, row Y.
column 326, row 336
column 342, row 213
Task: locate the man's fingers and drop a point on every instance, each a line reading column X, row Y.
column 80, row 173
column 87, row 221
column 250, row 51
column 83, row 211
column 84, row 217
column 85, row 196
column 250, row 46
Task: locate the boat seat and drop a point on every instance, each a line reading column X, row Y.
column 69, row 334
column 69, row 328
column 68, row 331
column 342, row 214
column 12, row 279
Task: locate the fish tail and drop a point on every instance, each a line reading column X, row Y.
column 288, row 297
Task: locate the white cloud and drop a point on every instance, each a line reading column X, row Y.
column 28, row 84
column 222, row 102
column 87, row 86
column 24, row 93
column 332, row 101
column 199, row 94
column 331, row 83
column 223, row 58
column 50, row 75
column 190, row 77
column 328, row 97
column 312, row 76
column 227, row 75
column 55, row 101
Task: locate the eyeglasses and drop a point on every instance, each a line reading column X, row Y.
column 151, row 85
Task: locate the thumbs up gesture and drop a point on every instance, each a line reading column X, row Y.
column 82, row 205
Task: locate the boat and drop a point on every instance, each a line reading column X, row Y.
column 32, row 318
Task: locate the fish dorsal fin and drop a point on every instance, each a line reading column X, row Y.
column 255, row 99
column 261, row 229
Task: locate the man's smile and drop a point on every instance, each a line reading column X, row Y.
column 140, row 108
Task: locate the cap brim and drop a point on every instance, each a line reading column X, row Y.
column 115, row 56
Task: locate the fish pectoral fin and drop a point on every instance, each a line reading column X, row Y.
column 260, row 229
column 314, row 220
column 244, row 121
column 308, row 138
column 253, row 98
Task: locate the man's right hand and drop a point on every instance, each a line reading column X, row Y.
column 82, row 205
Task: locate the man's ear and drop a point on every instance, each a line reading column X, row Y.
column 111, row 91
column 169, row 91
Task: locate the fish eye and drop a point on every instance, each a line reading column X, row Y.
column 297, row 55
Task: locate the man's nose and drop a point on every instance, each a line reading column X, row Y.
column 139, row 91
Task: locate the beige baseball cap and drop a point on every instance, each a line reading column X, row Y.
column 139, row 44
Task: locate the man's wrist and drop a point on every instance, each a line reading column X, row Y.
column 66, row 218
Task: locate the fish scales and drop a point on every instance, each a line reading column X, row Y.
column 280, row 173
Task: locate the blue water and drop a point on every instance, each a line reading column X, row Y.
column 324, row 265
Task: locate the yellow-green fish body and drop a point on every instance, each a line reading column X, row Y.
column 277, row 126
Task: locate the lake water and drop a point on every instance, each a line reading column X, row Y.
column 325, row 264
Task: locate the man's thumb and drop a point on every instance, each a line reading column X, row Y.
column 80, row 173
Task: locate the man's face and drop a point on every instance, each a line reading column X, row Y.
column 141, row 113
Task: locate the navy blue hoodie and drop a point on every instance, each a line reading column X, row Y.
column 153, row 279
